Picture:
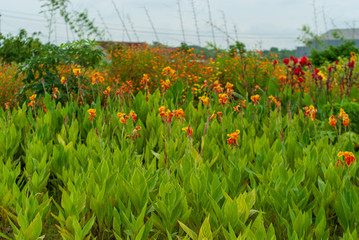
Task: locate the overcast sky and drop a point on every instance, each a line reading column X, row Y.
column 260, row 24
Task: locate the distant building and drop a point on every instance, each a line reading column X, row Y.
column 334, row 37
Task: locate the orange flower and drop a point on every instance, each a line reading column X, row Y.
column 179, row 113
column 342, row 113
column 189, row 131
column 255, row 99
column 311, row 112
column 63, row 80
column 92, row 113
column 233, row 138
column 123, row 119
column 205, row 100
column 133, row 115
column 333, row 121
column 214, row 115
column 345, row 120
column 32, row 98
column 7, row 104
column 168, row 71
column 223, row 98
column 107, row 91
column 76, row 71
column 272, row 99
column 145, row 79
column 32, row 101
column 229, row 85
column 120, row 115
column 348, row 158
column 165, row 84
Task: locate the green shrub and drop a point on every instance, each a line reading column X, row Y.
column 18, row 48
column 332, row 53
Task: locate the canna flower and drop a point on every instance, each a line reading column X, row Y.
column 7, row 104
column 144, row 80
column 348, row 158
column 332, row 121
column 188, row 130
column 255, row 99
column 272, row 99
column 229, row 85
column 346, row 120
column 120, row 115
column 214, row 115
column 92, row 113
column 166, row 114
column 205, row 100
column 243, row 103
column 32, row 98
column 179, row 114
column 32, row 101
column 165, row 84
column 223, row 98
column 55, row 91
column 133, row 115
column 63, row 80
column 124, row 118
column 342, row 113
column 168, row 71
column 76, row 71
column 107, row 91
column 233, row 138
column 311, row 112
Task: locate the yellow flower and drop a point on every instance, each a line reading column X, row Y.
column 76, row 71
column 92, row 113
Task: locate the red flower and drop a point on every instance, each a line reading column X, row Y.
column 351, row 64
column 303, row 61
column 286, row 61
column 348, row 158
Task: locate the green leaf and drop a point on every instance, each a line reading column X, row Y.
column 189, row 231
column 205, row 231
column 34, row 229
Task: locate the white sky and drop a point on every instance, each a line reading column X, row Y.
column 260, row 24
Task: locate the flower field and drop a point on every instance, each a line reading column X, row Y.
column 148, row 144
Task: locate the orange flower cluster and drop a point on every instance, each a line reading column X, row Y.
column 241, row 105
column 92, row 113
column 133, row 115
column 123, row 117
column 107, row 91
column 145, row 80
column 55, row 92
column 233, row 138
column 273, row 99
column 76, row 71
column 223, row 99
column 255, row 99
column 32, row 101
column 63, row 80
column 205, row 100
column 166, row 114
column 96, row 77
column 311, row 112
column 179, row 114
column 349, row 158
column 214, row 115
column 344, row 116
column 188, row 130
column 333, row 121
